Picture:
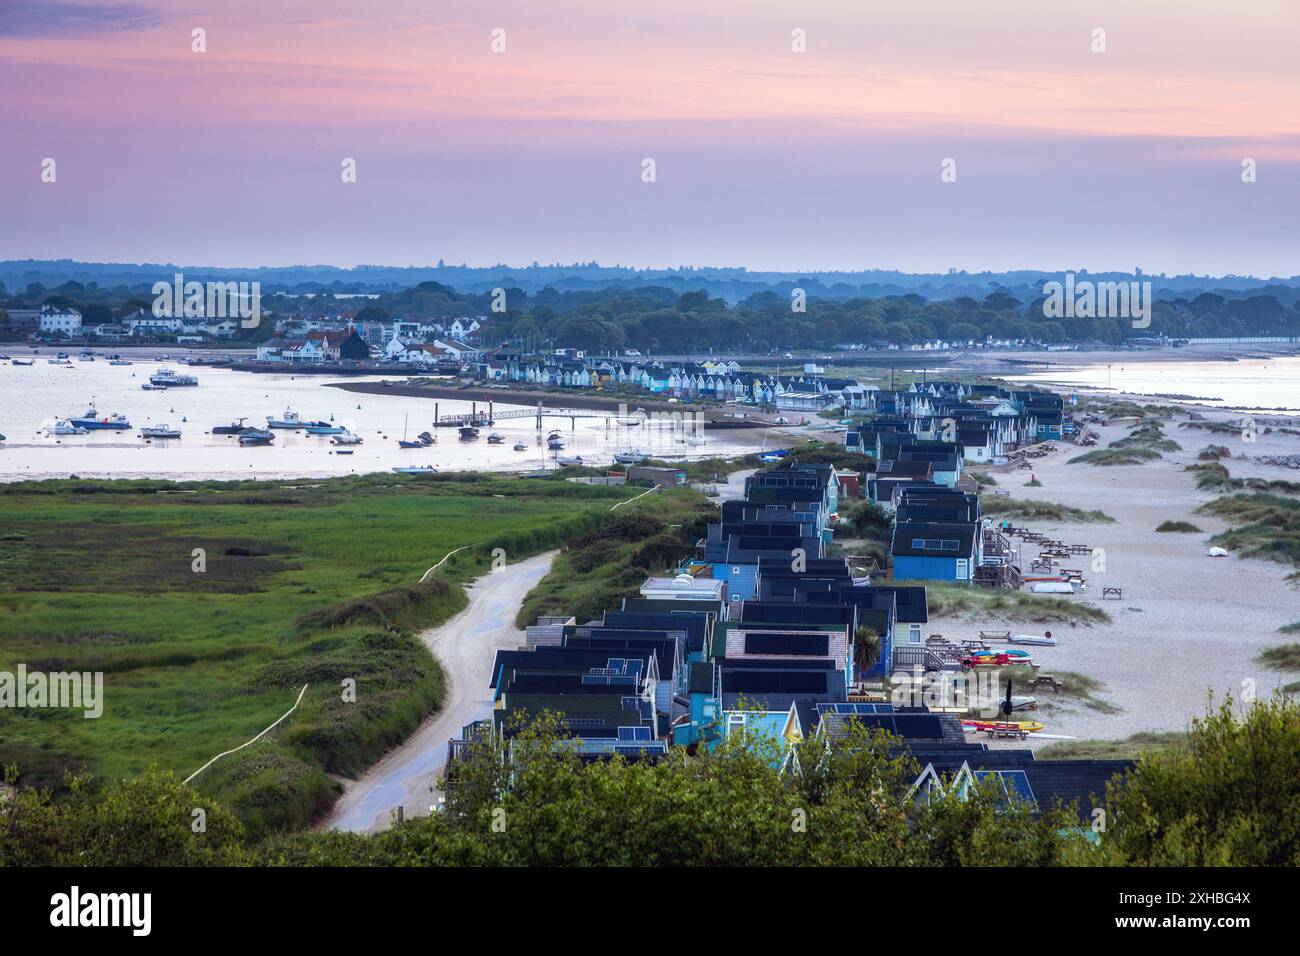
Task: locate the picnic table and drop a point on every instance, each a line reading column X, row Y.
column 1117, row 593
column 1045, row 680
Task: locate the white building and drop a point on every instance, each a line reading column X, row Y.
column 64, row 320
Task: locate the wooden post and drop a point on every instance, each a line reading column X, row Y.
column 401, row 813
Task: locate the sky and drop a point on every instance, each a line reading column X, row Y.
column 1066, row 156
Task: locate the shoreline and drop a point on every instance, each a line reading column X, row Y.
column 713, row 416
column 1180, row 632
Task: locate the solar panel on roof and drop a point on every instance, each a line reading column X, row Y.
column 777, row 642
column 857, row 708
column 775, row 682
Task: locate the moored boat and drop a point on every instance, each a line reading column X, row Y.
column 234, row 428
column 256, row 436
column 496, row 438
column 416, row 470
column 92, row 420
column 345, row 437
column 554, row 441
column 468, row 433
column 65, row 427
column 631, row 457
column 565, row 460
column 169, row 379
column 290, row 419
column 160, row 431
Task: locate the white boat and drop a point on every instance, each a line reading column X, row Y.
column 416, row 470
column 150, row 387
column 631, row 457
column 568, row 459
column 694, row 439
column 346, row 437
column 1052, row 587
column 120, row 362
column 169, row 379
column 520, row 446
column 65, row 427
column 160, row 431
column 1039, row 640
column 256, row 436
column 554, row 442
column 290, row 419
column 496, row 438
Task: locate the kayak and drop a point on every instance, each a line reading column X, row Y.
column 1002, row 728
column 997, row 658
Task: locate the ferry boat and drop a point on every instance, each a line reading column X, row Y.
column 65, row 427
column 160, row 431
column 169, row 379
column 92, row 420
column 416, row 470
column 256, row 436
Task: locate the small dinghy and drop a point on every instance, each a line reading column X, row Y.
column 1043, row 640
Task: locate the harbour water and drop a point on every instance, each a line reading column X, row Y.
column 33, row 397
column 1248, row 383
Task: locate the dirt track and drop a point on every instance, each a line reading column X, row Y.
column 465, row 646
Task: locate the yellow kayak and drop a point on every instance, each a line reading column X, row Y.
column 1017, row 727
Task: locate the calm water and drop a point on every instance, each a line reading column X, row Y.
column 1246, row 383
column 32, row 398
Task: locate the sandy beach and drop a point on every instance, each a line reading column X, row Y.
column 1188, row 625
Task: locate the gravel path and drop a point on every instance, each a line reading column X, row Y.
column 466, row 645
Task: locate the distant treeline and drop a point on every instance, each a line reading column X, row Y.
column 659, row 319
